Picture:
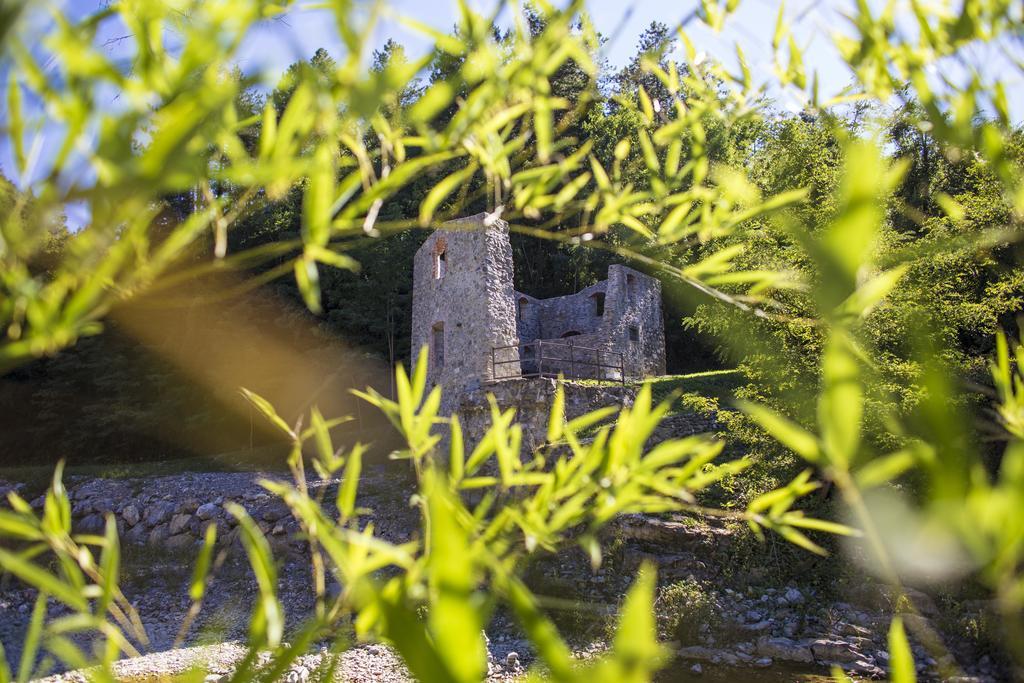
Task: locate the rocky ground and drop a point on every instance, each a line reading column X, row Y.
column 748, row 629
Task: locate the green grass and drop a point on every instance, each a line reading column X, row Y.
column 716, row 384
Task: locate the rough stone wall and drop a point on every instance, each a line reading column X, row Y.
column 528, row 315
column 572, row 313
column 532, row 400
column 473, row 302
column 474, row 309
column 636, row 306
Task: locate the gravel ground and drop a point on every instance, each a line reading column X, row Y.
column 156, row 581
column 762, row 627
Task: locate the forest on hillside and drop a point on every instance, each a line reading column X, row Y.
column 108, row 398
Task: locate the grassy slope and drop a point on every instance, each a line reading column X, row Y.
column 715, row 384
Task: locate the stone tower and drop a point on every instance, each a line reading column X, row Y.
column 479, row 329
column 463, row 304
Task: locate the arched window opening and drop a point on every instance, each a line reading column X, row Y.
column 598, row 303
column 630, row 286
column 524, row 304
column 437, row 345
column 634, row 334
column 570, row 333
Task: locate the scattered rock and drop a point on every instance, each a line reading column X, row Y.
column 179, row 542
column 158, row 535
column 158, row 513
column 274, row 513
column 793, row 596
column 829, row 650
column 179, row 523
column 92, row 524
column 207, row 511
column 299, row 674
column 784, row 649
column 131, row 515
column 697, row 669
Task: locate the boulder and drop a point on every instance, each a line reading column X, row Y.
column 137, row 534
column 159, row 512
column 179, row 542
column 131, row 515
column 158, row 535
column 92, row 524
column 179, row 523
column 784, row 649
column 830, row 650
column 699, row 652
column 207, row 511
column 274, row 513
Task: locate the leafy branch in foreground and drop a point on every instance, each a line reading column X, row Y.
column 432, row 597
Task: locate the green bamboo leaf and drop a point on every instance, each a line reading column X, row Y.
column 267, row 623
column 436, row 98
column 798, row 520
column 22, row 527
column 457, row 613
column 419, row 378
column 543, row 635
column 110, row 563
column 841, row 404
column 646, row 105
column 650, row 156
column 543, row 127
column 798, row 539
column 268, row 131
column 30, row 645
column 15, row 122
column 264, row 406
column 780, row 27
column 556, row 419
column 901, row 659
column 603, row 182
column 322, row 435
column 349, row 485
column 197, row 587
column 636, row 639
column 331, row 258
column 440, row 192
column 884, row 469
column 319, row 198
column 307, row 277
column 456, row 451
column 787, row 432
column 43, row 580
column 872, row 292
column 5, row 669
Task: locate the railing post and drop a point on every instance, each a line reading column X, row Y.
column 572, row 360
column 540, row 357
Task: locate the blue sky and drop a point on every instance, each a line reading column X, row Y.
column 298, row 34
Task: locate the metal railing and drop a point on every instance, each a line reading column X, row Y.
column 550, row 358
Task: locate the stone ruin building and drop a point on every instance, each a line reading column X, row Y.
column 480, row 331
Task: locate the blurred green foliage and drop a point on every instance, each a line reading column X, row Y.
column 859, row 261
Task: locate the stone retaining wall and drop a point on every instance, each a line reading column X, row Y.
column 532, row 400
column 173, row 511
